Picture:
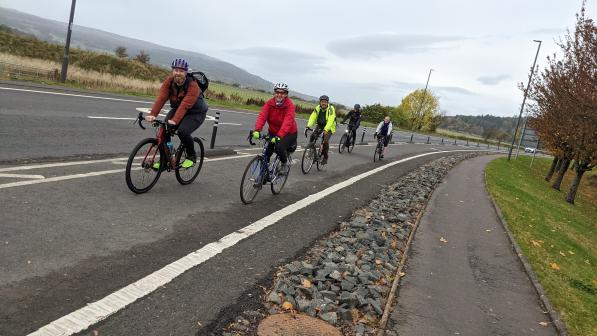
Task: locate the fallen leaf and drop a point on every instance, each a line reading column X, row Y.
column 443, row 240
column 571, row 253
column 554, row 266
column 562, row 253
column 545, row 324
column 402, row 274
column 287, row 305
column 536, row 243
column 306, row 283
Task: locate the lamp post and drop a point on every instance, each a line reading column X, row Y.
column 67, row 45
column 524, row 99
column 424, row 93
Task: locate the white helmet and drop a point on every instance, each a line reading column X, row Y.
column 281, row 86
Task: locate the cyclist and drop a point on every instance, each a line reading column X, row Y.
column 354, row 121
column 384, row 129
column 324, row 118
column 188, row 107
column 278, row 112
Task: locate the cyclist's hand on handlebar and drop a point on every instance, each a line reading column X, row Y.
column 171, row 122
column 275, row 139
column 149, row 118
column 256, row 135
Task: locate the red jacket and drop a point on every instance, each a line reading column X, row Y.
column 279, row 118
column 179, row 99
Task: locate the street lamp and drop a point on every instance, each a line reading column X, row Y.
column 67, row 45
column 524, row 98
column 424, row 93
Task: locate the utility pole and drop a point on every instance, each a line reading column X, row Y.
column 67, row 45
column 524, row 99
column 424, row 94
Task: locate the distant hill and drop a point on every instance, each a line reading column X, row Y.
column 485, row 125
column 97, row 40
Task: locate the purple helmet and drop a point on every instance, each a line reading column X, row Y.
column 181, row 64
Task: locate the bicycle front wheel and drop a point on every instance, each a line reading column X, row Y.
column 252, row 180
column 144, row 166
column 343, row 140
column 278, row 177
column 378, row 151
column 308, row 159
column 188, row 175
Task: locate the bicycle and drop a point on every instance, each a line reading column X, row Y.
column 312, row 153
column 347, row 140
column 151, row 156
column 259, row 172
column 378, row 155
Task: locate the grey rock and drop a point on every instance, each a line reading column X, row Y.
column 344, row 314
column 273, row 297
column 336, row 275
column 329, row 317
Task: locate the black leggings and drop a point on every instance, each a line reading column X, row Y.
column 185, row 128
column 282, row 147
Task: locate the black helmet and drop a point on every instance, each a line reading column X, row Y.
column 357, row 106
column 324, row 97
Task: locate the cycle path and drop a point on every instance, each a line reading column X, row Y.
column 463, row 277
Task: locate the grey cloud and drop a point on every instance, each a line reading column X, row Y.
column 409, row 87
column 377, row 45
column 492, row 80
column 287, row 60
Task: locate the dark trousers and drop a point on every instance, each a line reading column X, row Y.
column 281, row 148
column 326, row 140
column 188, row 125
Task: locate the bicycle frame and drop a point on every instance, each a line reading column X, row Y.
column 160, row 137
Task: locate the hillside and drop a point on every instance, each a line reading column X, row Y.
column 484, row 126
column 96, row 40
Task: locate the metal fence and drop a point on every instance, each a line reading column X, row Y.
column 17, row 71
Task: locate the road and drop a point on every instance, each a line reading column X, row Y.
column 72, row 233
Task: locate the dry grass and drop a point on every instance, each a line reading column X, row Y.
column 87, row 78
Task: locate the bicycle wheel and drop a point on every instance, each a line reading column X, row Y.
column 343, row 140
column 308, row 159
column 188, row 175
column 252, row 180
column 319, row 158
column 351, row 145
column 377, row 154
column 278, row 180
column 140, row 174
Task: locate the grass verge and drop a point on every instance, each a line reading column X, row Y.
column 559, row 239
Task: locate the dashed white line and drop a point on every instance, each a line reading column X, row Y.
column 95, row 312
column 22, row 176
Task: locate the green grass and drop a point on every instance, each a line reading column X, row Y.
column 553, row 234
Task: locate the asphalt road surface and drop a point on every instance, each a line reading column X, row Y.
column 72, row 233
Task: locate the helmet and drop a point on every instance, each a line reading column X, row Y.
column 357, row 106
column 281, row 86
column 324, row 97
column 181, row 64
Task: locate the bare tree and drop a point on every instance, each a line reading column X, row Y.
column 120, row 52
column 142, row 57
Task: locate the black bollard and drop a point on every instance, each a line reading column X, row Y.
column 214, row 130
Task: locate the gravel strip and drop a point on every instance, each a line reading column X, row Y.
column 345, row 278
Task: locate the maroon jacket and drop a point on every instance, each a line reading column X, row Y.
column 279, row 118
column 180, row 99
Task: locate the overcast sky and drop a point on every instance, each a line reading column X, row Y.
column 354, row 51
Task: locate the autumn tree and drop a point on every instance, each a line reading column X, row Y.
column 564, row 112
column 421, row 110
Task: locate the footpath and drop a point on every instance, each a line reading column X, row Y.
column 462, row 275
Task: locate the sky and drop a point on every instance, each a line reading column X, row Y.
column 365, row 52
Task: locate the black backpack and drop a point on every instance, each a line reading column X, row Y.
column 201, row 79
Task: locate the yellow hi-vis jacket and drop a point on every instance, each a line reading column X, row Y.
column 330, row 118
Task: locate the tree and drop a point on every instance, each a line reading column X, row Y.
column 565, row 104
column 421, row 109
column 120, row 52
column 142, row 57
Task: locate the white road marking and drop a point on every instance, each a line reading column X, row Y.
column 83, row 175
column 23, row 176
column 77, row 95
column 95, row 312
column 113, row 118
